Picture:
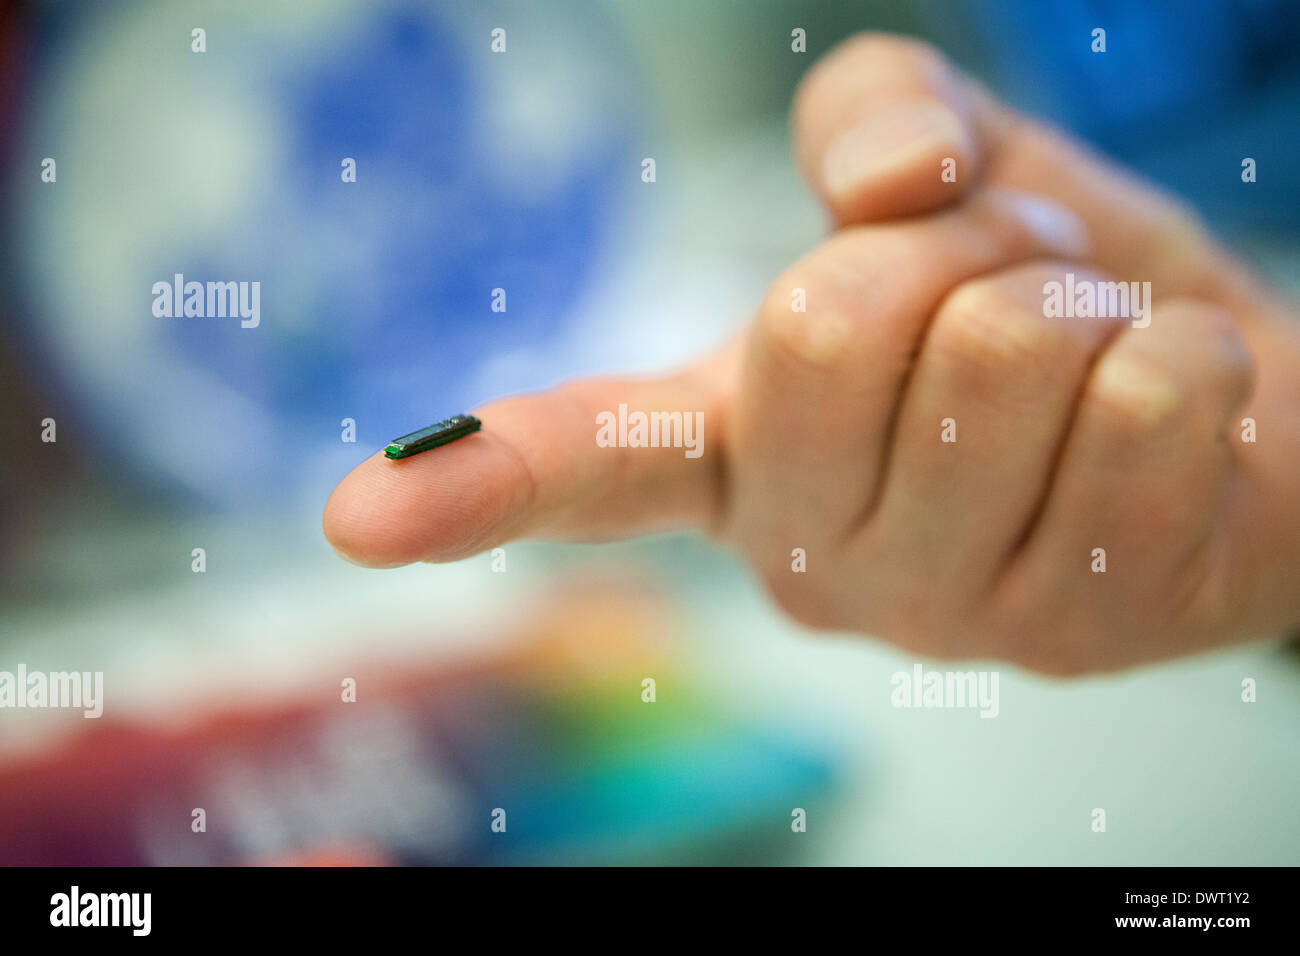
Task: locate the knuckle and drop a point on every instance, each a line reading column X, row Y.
column 982, row 330
column 1134, row 398
column 813, row 311
column 805, row 318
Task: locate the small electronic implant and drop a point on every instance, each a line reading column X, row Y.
column 440, row 433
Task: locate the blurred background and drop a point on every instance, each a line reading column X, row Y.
column 521, row 689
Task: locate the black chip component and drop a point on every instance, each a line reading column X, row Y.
column 447, row 430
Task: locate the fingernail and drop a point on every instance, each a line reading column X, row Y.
column 1055, row 225
column 889, row 141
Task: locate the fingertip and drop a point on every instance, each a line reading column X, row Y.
column 350, row 526
column 441, row 505
column 905, row 159
column 885, row 127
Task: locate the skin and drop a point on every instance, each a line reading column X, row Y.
column 822, row 427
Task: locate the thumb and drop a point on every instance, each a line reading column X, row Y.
column 548, row 465
column 880, row 120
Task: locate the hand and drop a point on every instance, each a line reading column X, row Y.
column 824, row 428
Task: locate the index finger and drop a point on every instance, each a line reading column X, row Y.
column 539, row 469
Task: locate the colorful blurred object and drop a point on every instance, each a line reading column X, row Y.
column 552, row 739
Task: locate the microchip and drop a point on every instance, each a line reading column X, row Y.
column 440, row 433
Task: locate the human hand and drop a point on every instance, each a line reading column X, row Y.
column 824, row 429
